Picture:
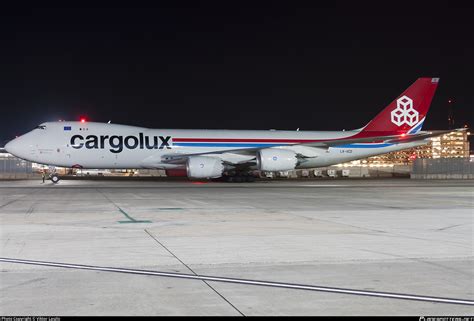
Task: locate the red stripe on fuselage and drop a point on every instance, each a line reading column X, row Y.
column 363, row 134
column 243, row 140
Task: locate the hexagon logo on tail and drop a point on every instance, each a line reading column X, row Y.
column 404, row 113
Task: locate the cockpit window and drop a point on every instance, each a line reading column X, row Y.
column 40, row 127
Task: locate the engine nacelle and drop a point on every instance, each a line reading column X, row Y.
column 274, row 159
column 204, row 167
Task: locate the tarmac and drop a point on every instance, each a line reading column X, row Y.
column 164, row 248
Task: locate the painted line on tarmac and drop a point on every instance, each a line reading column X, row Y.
column 317, row 288
column 131, row 219
column 192, row 271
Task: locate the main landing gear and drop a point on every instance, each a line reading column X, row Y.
column 240, row 178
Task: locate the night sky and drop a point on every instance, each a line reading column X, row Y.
column 228, row 66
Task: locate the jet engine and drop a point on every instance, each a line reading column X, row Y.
column 204, row 167
column 274, row 159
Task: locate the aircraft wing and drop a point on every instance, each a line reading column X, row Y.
column 323, row 144
column 423, row 135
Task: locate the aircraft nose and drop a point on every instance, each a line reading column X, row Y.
column 13, row 147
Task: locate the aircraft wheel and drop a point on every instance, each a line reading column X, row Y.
column 238, row 179
column 250, row 179
column 55, row 178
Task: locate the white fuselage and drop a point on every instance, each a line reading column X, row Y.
column 100, row 145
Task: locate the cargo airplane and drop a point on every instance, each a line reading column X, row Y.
column 235, row 154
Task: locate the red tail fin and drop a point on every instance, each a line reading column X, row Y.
column 408, row 111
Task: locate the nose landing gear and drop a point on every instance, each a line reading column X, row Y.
column 52, row 175
column 54, row 178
